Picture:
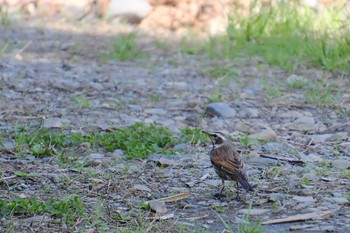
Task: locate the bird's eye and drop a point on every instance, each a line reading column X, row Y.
column 215, row 136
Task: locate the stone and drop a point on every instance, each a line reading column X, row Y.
column 133, row 11
column 304, row 199
column 55, row 122
column 291, row 114
column 98, row 159
column 304, row 124
column 253, row 211
column 337, row 200
column 140, row 187
column 182, row 147
column 314, row 158
column 249, row 113
column 276, row 197
column 118, row 154
column 156, row 111
column 341, row 163
column 220, row 110
column 158, row 206
column 260, row 161
column 266, row 135
column 243, row 127
column 292, row 181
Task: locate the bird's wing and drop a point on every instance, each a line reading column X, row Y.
column 231, row 163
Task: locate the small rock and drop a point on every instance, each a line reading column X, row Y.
column 220, row 110
column 182, row 147
column 40, row 218
column 276, row 197
column 337, row 200
column 341, row 163
column 253, row 154
column 292, row 181
column 140, row 187
column 304, row 124
column 244, row 128
column 55, row 122
column 265, row 162
column 314, row 158
column 320, row 138
column 249, row 113
column 156, row 111
column 97, row 159
column 118, row 154
column 296, row 81
column 304, row 199
column 291, row 114
column 169, row 162
column 253, row 211
column 158, row 206
column 267, row 135
column 54, row 178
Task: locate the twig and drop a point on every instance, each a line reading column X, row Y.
column 290, row 160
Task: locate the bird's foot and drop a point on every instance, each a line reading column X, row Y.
column 219, row 196
column 238, row 198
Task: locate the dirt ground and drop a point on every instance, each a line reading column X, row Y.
column 54, row 70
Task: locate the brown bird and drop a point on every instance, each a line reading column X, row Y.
column 227, row 162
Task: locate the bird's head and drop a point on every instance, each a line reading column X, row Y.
column 217, row 138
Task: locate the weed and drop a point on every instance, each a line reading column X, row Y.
column 221, row 209
column 247, row 226
column 155, row 98
column 215, row 97
column 193, row 136
column 125, row 48
column 322, row 94
column 70, row 210
column 81, row 102
column 346, row 174
column 4, row 15
column 247, row 141
column 286, row 35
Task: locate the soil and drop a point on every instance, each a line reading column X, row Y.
column 54, row 72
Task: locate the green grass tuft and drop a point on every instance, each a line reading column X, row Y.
column 125, row 48
column 70, row 210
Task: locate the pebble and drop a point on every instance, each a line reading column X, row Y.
column 55, row 122
column 266, row 135
column 140, row 187
column 262, row 162
column 314, row 158
column 341, row 164
column 304, row 199
column 304, row 124
column 158, row 206
column 337, row 200
column 276, row 197
column 253, row 211
column 220, row 110
column 97, row 159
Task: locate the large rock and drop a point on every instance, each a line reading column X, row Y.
column 220, row 110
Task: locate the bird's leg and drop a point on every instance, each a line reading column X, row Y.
column 220, row 194
column 238, row 198
column 223, row 186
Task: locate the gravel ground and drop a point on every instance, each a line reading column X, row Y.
column 53, row 75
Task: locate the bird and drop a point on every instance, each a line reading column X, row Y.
column 227, row 162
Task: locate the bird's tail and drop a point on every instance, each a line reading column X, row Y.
column 245, row 184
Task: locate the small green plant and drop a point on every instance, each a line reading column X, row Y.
column 322, row 94
column 221, row 209
column 81, row 102
column 215, row 97
column 247, row 141
column 4, row 15
column 125, row 48
column 193, row 136
column 70, row 210
column 247, row 226
column 155, row 98
column 346, row 174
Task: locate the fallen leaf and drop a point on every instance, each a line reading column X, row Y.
column 176, row 197
column 300, row 217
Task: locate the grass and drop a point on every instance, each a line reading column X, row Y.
column 70, row 209
column 287, row 35
column 137, row 141
column 125, row 48
column 247, row 226
column 322, row 93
